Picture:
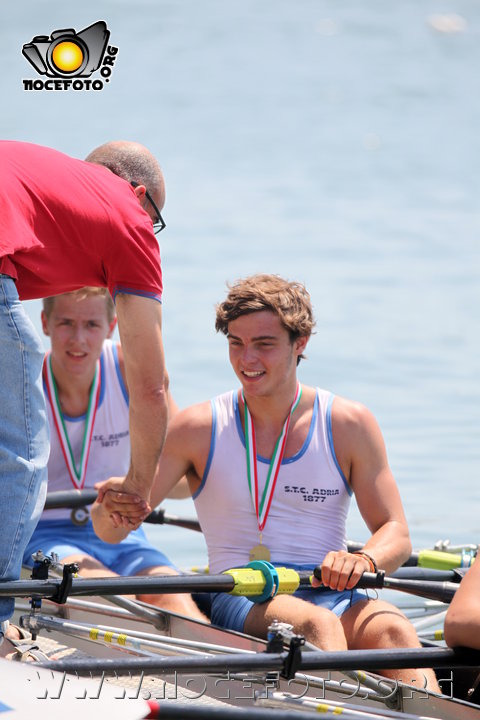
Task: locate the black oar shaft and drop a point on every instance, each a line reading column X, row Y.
column 343, row 660
column 158, row 517
column 120, row 586
column 430, row 589
column 70, row 498
column 243, row 581
column 419, row 573
column 87, row 496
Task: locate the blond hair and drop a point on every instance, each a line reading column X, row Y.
column 81, row 294
column 290, row 301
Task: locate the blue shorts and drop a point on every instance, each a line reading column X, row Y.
column 230, row 611
column 64, row 538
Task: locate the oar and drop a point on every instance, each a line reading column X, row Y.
column 160, row 517
column 70, row 498
column 430, row 589
column 420, row 573
column 434, row 559
column 259, row 580
column 80, row 498
column 383, row 659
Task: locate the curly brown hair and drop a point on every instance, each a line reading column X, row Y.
column 289, row 300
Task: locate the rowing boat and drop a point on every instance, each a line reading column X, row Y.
column 185, row 667
column 167, row 658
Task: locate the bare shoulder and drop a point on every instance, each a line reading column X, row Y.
column 356, row 433
column 352, row 416
column 187, row 444
column 192, row 423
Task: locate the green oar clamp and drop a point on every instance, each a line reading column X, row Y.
column 261, row 581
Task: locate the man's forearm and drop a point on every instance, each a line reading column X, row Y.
column 390, row 546
column 148, row 426
column 140, row 326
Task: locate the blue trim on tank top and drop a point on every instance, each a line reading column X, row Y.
column 285, row 461
column 213, row 439
column 330, row 442
column 82, row 418
column 119, row 373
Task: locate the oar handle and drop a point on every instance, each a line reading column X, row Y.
column 70, row 498
column 87, row 496
column 368, row 580
column 158, row 517
column 430, row 589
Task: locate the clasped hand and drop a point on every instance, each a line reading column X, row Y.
column 126, row 509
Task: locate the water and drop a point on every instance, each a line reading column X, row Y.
column 331, row 142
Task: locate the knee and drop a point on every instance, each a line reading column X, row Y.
column 322, row 628
column 398, row 632
column 461, row 630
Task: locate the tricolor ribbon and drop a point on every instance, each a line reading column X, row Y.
column 77, row 474
column 262, row 509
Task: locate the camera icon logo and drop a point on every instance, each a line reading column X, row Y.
column 66, row 53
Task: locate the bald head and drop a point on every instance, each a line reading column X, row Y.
column 132, row 162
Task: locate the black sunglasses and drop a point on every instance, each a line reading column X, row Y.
column 158, row 223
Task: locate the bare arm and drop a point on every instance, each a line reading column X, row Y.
column 185, row 451
column 361, row 452
column 462, row 623
column 140, row 327
column 181, row 489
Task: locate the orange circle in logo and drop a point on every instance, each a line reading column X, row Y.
column 67, row 56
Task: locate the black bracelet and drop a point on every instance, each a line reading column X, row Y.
column 373, row 564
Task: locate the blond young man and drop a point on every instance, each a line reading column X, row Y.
column 87, row 408
column 272, row 467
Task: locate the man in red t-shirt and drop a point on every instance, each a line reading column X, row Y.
column 66, row 223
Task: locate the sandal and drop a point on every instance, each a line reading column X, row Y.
column 24, row 650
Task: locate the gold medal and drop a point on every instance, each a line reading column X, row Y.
column 259, row 552
column 79, row 516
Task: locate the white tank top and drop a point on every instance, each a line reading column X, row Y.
column 110, row 446
column 310, row 504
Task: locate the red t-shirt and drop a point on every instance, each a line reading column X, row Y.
column 66, row 223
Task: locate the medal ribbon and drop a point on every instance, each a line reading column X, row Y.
column 77, row 475
column 263, row 509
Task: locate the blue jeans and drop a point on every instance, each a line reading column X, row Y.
column 24, row 439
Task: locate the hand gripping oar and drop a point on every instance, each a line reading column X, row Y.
column 442, row 591
column 80, row 498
